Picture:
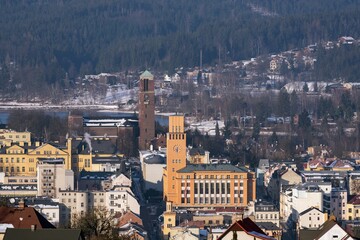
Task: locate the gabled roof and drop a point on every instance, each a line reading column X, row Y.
column 129, row 217
column 23, row 217
column 309, row 210
column 46, row 145
column 43, row 234
column 147, row 75
column 197, row 151
column 307, row 234
column 248, row 226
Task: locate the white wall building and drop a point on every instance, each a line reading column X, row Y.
column 52, row 176
column 121, row 199
column 311, row 218
column 49, row 209
column 117, row 200
column 299, row 198
column 152, row 164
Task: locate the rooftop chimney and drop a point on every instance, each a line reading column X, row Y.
column 33, row 228
column 21, row 204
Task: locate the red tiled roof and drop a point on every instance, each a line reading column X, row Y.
column 198, row 223
column 23, row 217
column 129, row 217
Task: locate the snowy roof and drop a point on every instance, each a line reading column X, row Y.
column 147, row 75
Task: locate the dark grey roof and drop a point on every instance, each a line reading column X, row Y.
column 111, row 159
column 196, row 151
column 308, row 210
column 95, row 175
column 99, row 121
column 267, row 225
column 155, row 159
column 42, row 234
column 97, row 146
column 211, row 167
column 37, row 201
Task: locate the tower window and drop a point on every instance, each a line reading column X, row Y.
column 146, row 84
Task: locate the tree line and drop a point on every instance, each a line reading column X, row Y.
column 47, row 42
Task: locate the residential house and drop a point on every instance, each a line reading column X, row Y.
column 312, row 218
column 329, row 230
column 244, row 229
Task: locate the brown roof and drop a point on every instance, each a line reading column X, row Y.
column 23, row 217
column 130, row 217
column 198, row 223
column 355, row 200
column 248, row 226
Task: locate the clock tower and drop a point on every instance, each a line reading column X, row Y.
column 146, row 110
column 175, row 156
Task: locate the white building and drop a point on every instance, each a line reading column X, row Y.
column 152, row 164
column 52, row 176
column 117, row 200
column 49, row 209
column 311, row 218
column 121, row 199
column 295, row 200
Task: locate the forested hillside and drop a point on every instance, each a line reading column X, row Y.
column 42, row 40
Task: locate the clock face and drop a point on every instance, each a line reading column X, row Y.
column 146, row 97
column 177, row 148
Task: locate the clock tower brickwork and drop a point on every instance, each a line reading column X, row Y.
column 175, row 157
column 146, row 110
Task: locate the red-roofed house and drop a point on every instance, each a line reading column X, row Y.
column 22, row 217
column 244, row 229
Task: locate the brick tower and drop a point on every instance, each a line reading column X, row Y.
column 146, row 110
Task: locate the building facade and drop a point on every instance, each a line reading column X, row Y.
column 202, row 185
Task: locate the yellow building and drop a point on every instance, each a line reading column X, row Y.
column 198, row 156
column 93, row 155
column 21, row 158
column 353, row 208
column 202, row 185
column 7, row 137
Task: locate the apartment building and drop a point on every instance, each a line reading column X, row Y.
column 52, row 176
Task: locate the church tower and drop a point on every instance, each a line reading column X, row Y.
column 175, row 156
column 146, row 110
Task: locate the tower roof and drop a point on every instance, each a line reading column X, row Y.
column 147, row 75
